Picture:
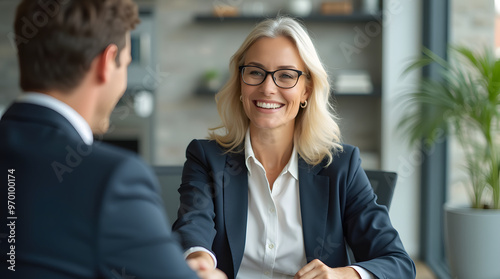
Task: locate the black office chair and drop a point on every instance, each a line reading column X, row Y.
column 383, row 184
column 170, row 180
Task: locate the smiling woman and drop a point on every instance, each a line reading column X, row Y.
column 281, row 44
column 274, row 192
column 272, row 104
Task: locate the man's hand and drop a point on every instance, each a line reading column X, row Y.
column 200, row 260
column 319, row 270
column 203, row 264
column 211, row 274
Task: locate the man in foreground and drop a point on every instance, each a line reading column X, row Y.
column 73, row 208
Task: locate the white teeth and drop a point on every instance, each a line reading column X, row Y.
column 268, row 105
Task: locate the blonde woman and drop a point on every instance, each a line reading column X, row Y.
column 273, row 193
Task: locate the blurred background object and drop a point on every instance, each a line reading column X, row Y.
column 225, row 10
column 299, row 7
column 371, row 6
column 352, row 82
column 336, row 7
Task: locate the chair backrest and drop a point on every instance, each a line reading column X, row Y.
column 383, row 184
column 170, row 180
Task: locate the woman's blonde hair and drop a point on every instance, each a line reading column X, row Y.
column 317, row 134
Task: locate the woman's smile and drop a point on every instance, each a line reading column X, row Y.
column 268, row 105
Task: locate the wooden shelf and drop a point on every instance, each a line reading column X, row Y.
column 351, row 18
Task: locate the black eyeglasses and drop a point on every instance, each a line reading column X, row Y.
column 283, row 78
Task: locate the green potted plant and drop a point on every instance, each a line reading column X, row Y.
column 465, row 103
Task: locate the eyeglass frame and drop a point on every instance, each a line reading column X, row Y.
column 301, row 73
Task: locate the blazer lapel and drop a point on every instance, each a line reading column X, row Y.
column 314, row 199
column 235, row 190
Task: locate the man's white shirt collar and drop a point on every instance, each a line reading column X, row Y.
column 76, row 120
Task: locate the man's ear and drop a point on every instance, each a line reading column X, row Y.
column 106, row 63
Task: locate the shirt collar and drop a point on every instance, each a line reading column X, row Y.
column 293, row 164
column 248, row 151
column 76, row 120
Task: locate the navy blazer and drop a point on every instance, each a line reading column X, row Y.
column 82, row 211
column 337, row 206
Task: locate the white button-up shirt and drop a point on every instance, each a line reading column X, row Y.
column 274, row 241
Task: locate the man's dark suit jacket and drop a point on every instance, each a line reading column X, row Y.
column 82, row 211
column 337, row 205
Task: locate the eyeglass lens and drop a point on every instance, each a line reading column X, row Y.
column 282, row 78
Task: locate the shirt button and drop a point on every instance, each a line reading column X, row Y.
column 271, row 246
column 271, row 210
column 267, row 273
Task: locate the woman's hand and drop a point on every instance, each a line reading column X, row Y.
column 318, row 270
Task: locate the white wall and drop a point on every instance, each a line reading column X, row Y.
column 402, row 42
